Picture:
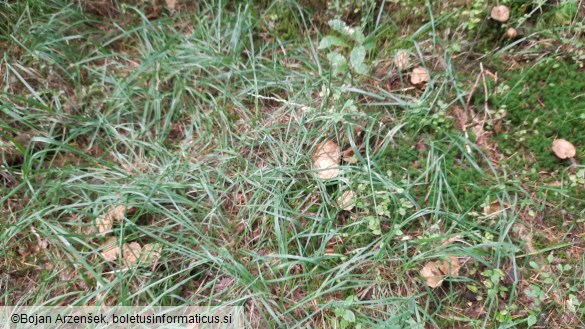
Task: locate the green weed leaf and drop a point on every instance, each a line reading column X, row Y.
column 332, row 41
column 531, row 320
column 356, row 58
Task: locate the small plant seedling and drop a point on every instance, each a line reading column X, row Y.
column 350, row 44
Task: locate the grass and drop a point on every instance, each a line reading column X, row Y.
column 194, row 131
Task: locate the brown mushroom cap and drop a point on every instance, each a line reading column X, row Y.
column 511, row 33
column 501, row 13
column 419, row 75
column 401, row 60
column 563, row 149
column 326, row 160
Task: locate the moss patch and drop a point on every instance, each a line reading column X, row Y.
column 543, row 103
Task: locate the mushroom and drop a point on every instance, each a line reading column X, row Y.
column 511, row 33
column 419, row 75
column 326, row 160
column 401, row 60
column 346, row 201
column 564, row 149
column 501, row 13
column 435, row 272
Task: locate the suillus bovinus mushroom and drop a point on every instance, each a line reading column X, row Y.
column 564, row 149
column 500, row 13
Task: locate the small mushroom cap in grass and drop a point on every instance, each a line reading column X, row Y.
column 563, row 149
column 435, row 272
column 511, row 33
column 419, row 75
column 401, row 60
column 326, row 160
column 346, row 201
column 500, row 13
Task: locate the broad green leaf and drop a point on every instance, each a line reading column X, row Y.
column 358, row 35
column 531, row 320
column 374, row 225
column 349, row 316
column 338, row 62
column 330, row 41
column 356, row 58
column 339, row 26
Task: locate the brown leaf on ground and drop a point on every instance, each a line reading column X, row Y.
column 435, row 272
column 461, row 117
column 326, row 160
column 480, row 134
column 526, row 236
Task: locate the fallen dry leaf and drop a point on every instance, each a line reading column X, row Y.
column 326, row 160
column 435, row 272
column 419, row 75
column 480, row 134
column 346, row 201
column 462, row 118
column 106, row 221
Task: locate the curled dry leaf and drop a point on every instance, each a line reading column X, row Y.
column 401, row 60
column 563, row 148
column 500, row 13
column 346, row 201
column 435, row 272
column 106, row 221
column 419, row 75
column 326, row 160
